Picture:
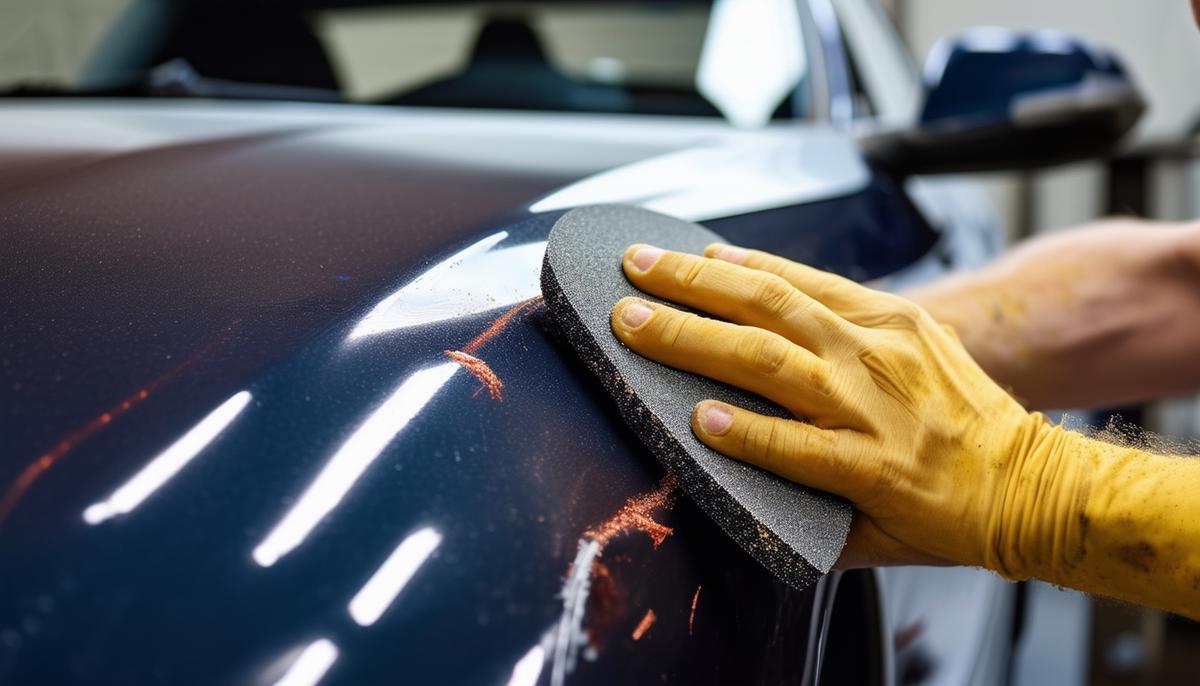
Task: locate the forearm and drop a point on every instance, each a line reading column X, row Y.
column 1103, row 518
column 1084, row 319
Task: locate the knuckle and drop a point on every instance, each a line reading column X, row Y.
column 677, row 327
column 904, row 312
column 689, row 270
column 764, row 353
column 893, row 312
column 758, row 440
column 774, row 296
column 819, row 376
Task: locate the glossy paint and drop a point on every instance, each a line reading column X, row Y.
column 235, row 449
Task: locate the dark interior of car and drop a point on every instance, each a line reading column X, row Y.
column 274, row 44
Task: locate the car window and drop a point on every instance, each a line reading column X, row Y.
column 614, row 57
column 683, row 57
column 379, row 51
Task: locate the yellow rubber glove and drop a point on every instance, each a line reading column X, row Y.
column 942, row 465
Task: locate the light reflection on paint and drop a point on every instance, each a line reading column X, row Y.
column 748, row 172
column 386, row 583
column 311, row 666
column 528, row 668
column 168, row 463
column 473, row 280
column 570, row 636
column 752, row 59
column 351, row 460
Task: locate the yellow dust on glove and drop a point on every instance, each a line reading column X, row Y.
column 943, row 466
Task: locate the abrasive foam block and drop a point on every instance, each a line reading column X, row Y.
column 795, row 532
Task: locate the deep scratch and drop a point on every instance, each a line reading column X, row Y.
column 637, row 514
column 481, row 370
column 500, row 323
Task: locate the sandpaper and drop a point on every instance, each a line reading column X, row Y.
column 795, row 532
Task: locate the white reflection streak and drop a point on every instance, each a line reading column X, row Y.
column 529, row 668
column 386, row 583
column 312, row 664
column 351, row 460
column 569, row 637
column 751, row 59
column 168, row 463
column 473, row 280
column 744, row 173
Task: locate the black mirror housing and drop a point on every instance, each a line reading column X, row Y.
column 997, row 99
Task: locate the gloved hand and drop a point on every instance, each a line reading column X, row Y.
column 942, row 465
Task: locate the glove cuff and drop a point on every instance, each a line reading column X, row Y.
column 1038, row 520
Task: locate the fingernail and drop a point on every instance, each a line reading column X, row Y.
column 730, row 253
column 715, row 418
column 635, row 314
column 645, row 257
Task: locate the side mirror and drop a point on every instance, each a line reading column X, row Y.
column 997, row 99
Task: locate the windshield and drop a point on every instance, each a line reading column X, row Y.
column 674, row 57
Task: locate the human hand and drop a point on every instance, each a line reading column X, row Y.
column 900, row 419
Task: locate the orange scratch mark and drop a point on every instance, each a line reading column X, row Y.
column 605, row 603
column 500, row 323
column 17, row 489
column 481, row 370
column 644, row 625
column 636, row 515
column 46, row 460
column 692, row 616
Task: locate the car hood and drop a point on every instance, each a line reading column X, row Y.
column 191, row 244
column 219, row 323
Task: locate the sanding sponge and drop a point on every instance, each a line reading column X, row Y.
column 795, row 532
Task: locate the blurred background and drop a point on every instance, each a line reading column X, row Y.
column 379, row 51
column 1157, row 175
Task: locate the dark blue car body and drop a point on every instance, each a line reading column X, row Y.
column 279, row 402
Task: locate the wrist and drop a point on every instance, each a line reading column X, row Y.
column 1039, row 515
column 966, row 303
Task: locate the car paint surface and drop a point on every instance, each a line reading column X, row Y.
column 279, row 400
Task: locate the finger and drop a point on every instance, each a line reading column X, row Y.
column 735, row 293
column 754, row 359
column 806, row 454
column 838, row 293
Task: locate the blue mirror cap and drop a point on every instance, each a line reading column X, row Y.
column 981, row 76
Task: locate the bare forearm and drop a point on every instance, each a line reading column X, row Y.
column 1099, row 316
